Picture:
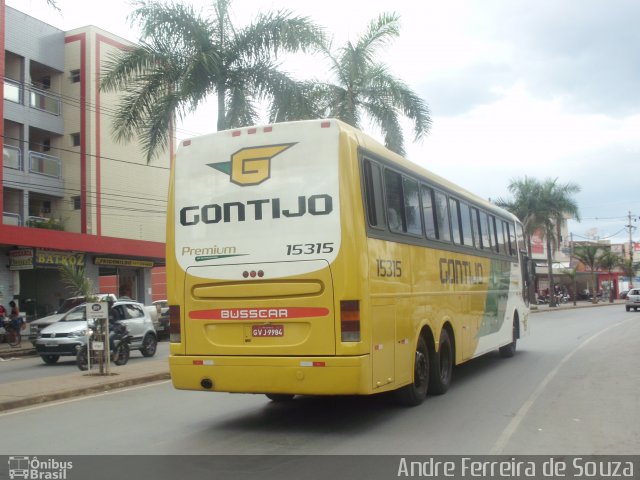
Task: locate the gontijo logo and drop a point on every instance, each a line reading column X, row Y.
column 252, row 165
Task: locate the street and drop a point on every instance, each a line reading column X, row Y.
column 572, row 388
column 30, row 367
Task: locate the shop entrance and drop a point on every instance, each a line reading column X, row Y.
column 122, row 282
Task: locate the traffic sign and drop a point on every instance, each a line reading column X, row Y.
column 96, row 310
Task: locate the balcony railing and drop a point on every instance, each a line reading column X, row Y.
column 12, row 157
column 47, row 223
column 43, row 164
column 13, row 91
column 44, row 101
column 9, row 218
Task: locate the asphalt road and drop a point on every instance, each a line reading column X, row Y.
column 14, row 369
column 572, row 388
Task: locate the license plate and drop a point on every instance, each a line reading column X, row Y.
column 267, row 330
column 50, row 344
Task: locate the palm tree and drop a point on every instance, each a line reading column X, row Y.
column 524, row 205
column 362, row 89
column 76, row 282
column 543, row 205
column 183, row 58
column 555, row 204
column 590, row 256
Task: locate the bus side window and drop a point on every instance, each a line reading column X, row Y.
column 456, row 230
column 373, row 194
column 502, row 238
column 510, row 238
column 428, row 212
column 465, row 224
column 494, row 234
column 442, row 217
column 412, row 206
column 486, row 231
column 394, row 201
column 475, row 223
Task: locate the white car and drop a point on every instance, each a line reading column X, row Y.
column 66, row 336
column 37, row 325
column 633, row 300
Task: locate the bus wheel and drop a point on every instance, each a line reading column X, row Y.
column 415, row 393
column 279, row 397
column 509, row 350
column 441, row 365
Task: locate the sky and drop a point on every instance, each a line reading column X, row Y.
column 537, row 88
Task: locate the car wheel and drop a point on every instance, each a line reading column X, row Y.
column 149, row 345
column 50, row 359
column 628, row 309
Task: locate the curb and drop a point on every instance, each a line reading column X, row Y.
column 18, row 352
column 77, row 392
column 558, row 308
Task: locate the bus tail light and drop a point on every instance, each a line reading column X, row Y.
column 175, row 333
column 350, row 320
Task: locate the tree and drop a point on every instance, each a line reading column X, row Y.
column 590, row 256
column 629, row 268
column 543, row 206
column 524, row 205
column 76, row 282
column 183, row 58
column 610, row 260
column 361, row 89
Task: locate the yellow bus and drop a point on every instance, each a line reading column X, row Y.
column 304, row 258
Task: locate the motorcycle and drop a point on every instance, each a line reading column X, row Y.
column 119, row 346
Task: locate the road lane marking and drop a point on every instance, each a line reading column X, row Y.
column 513, row 425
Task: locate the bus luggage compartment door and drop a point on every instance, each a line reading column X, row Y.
column 260, row 309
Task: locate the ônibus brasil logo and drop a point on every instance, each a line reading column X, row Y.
column 252, row 165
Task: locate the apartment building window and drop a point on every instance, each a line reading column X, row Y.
column 75, row 139
column 74, row 75
column 76, row 202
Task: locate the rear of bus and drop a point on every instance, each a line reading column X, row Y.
column 263, row 297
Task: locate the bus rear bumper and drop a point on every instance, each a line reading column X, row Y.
column 287, row 375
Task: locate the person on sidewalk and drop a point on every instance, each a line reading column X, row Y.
column 14, row 315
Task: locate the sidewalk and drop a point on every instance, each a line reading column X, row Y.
column 36, row 391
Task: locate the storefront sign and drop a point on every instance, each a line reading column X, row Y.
column 122, row 262
column 21, row 259
column 47, row 258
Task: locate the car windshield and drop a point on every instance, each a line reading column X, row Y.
column 69, row 303
column 77, row 314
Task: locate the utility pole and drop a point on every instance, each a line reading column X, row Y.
column 630, row 227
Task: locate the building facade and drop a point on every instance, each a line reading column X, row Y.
column 69, row 192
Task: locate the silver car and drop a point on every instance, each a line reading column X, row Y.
column 633, row 299
column 66, row 336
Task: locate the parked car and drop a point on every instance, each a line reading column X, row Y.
column 623, row 294
column 66, row 336
column 162, row 323
column 633, row 299
column 37, row 325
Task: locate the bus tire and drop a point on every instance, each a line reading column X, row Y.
column 441, row 365
column 414, row 394
column 509, row 350
column 279, row 397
